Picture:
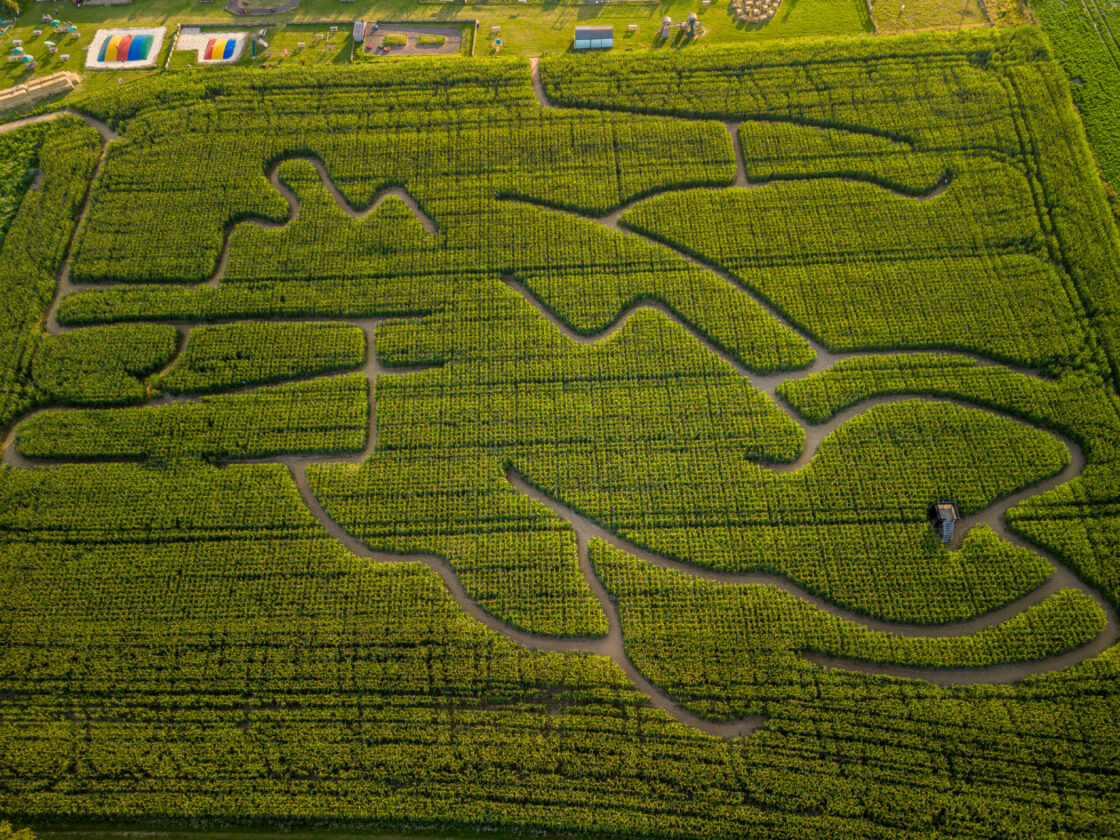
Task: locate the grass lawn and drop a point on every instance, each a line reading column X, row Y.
column 902, row 15
column 526, row 29
column 332, row 48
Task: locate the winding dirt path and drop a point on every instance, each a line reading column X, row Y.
column 993, row 516
column 273, row 175
column 612, row 644
column 107, row 133
column 64, row 287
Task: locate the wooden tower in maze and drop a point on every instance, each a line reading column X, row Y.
column 944, row 516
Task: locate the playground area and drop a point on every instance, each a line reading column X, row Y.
column 30, row 50
column 521, row 28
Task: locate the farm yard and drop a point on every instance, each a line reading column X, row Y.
column 548, row 445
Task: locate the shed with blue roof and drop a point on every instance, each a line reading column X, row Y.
column 594, row 37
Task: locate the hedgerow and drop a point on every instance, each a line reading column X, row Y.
column 9, row 833
column 255, row 352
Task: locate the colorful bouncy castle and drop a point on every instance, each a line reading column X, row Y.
column 219, row 49
column 126, row 48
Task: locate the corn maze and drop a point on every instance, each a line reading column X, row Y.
column 549, row 447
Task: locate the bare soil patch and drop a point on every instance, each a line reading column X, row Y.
column 374, row 43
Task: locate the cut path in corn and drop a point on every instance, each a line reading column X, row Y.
column 612, row 645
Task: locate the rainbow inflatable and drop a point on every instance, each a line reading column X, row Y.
column 219, row 49
column 126, row 48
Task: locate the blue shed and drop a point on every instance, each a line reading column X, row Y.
column 594, row 37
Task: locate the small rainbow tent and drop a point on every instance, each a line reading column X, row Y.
column 219, row 49
column 126, row 48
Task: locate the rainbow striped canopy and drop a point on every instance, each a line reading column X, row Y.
column 126, row 48
column 219, row 48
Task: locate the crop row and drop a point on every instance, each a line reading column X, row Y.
column 32, row 252
column 386, row 264
column 513, row 559
column 954, row 98
column 439, row 144
column 887, row 464
column 1074, row 403
column 1083, row 235
column 299, row 678
column 188, row 642
column 320, row 415
column 705, row 642
column 785, row 150
column 1072, row 520
column 861, row 268
column 650, row 386
column 649, row 434
column 101, row 365
column 987, row 95
column 1084, row 35
column 19, row 154
column 255, row 352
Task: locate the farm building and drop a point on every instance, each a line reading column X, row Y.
column 944, row 516
column 594, row 37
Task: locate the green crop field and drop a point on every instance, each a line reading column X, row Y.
column 1086, row 38
column 548, row 447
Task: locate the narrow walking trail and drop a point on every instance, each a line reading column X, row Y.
column 612, row 644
